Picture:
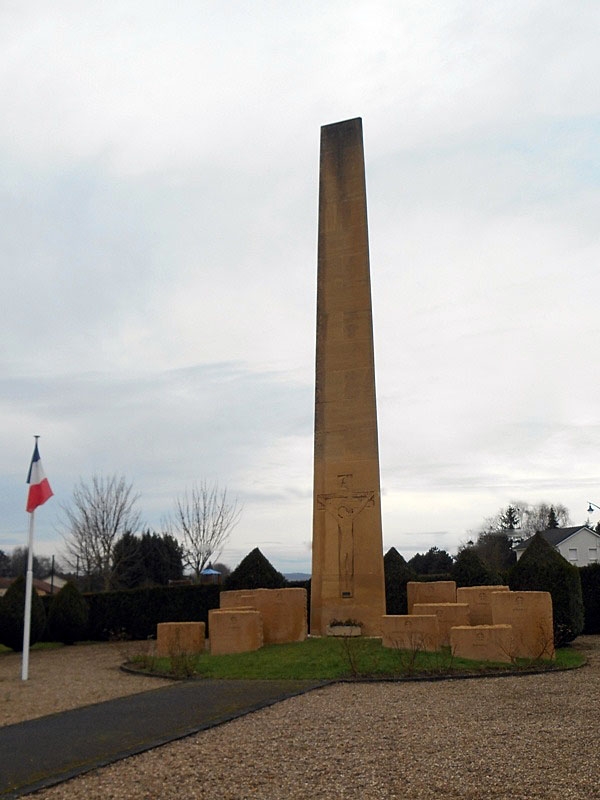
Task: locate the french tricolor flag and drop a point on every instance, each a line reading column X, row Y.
column 39, row 488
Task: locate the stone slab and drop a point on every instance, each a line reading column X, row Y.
column 283, row 611
column 430, row 592
column 233, row 631
column 479, row 601
column 530, row 614
column 175, row 638
column 449, row 615
column 482, row 642
column 411, row 632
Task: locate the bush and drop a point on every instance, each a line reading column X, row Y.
column 135, row 613
column 541, row 568
column 255, row 572
column 397, row 575
column 470, row 570
column 590, row 590
column 12, row 616
column 68, row 615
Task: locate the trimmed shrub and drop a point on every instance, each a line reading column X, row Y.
column 12, row 616
column 542, row 569
column 68, row 615
column 590, row 590
column 255, row 572
column 470, row 570
column 135, row 613
column 397, row 575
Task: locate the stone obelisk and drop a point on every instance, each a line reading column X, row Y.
column 347, row 560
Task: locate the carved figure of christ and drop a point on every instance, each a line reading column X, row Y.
column 344, row 508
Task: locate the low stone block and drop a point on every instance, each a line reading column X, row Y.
column 234, row 631
column 449, row 616
column 411, row 632
column 433, row 592
column 482, row 642
column 174, row 638
column 530, row 614
column 283, row 611
column 479, row 601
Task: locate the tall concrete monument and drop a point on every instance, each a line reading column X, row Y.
column 347, row 560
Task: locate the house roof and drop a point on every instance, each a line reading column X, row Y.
column 38, row 585
column 556, row 536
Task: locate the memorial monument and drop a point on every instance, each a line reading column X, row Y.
column 347, row 560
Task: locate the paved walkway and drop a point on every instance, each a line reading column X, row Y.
column 48, row 750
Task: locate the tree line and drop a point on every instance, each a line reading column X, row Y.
column 105, row 548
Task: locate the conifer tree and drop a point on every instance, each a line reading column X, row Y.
column 255, row 572
column 12, row 616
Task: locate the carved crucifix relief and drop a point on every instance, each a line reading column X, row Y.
column 344, row 506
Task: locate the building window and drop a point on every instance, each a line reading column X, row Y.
column 572, row 554
column 593, row 555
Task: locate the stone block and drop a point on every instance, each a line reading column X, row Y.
column 479, row 601
column 482, row 642
column 414, row 632
column 449, row 616
column 430, row 592
column 283, row 611
column 530, row 614
column 174, row 638
column 234, row 631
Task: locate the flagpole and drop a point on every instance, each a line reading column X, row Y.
column 28, row 591
column 39, row 492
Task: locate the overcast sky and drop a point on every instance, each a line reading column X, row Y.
column 158, row 227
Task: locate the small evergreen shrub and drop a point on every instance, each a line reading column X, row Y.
column 590, row 590
column 68, row 616
column 12, row 616
column 469, row 569
column 542, row 569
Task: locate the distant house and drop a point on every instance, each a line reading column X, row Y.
column 579, row 545
column 41, row 587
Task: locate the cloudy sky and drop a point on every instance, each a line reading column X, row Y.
column 158, row 225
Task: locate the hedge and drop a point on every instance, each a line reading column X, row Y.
column 135, row 613
column 590, row 590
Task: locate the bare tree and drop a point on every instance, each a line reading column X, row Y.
column 203, row 520
column 99, row 514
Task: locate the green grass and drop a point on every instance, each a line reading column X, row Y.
column 331, row 658
column 36, row 646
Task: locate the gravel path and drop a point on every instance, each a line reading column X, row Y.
column 67, row 678
column 525, row 738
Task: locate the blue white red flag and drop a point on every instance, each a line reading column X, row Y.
column 39, row 488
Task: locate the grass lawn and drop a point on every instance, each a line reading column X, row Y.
column 36, row 646
column 331, row 658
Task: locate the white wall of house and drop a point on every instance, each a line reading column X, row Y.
column 581, row 549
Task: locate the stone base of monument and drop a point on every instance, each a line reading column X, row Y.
column 490, row 624
column 283, row 611
column 430, row 592
column 175, row 638
column 530, row 614
column 482, row 642
column 479, row 599
column 411, row 632
column 449, row 615
column 234, row 631
column 344, row 630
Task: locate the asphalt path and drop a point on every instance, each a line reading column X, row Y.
column 48, row 750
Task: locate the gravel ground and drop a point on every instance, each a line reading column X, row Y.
column 67, row 678
column 526, row 738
